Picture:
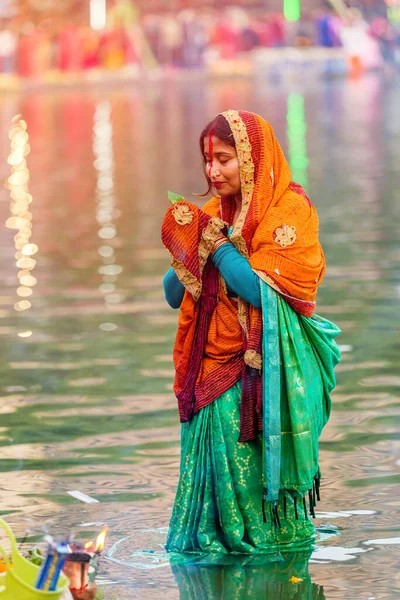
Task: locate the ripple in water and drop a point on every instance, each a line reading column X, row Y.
column 152, row 557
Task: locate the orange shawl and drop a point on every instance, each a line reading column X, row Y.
column 219, row 340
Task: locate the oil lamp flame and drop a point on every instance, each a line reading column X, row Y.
column 98, row 545
column 101, row 540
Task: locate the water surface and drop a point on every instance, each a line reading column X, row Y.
column 86, row 401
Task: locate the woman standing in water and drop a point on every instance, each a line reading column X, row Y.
column 254, row 365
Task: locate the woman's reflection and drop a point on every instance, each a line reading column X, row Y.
column 287, row 580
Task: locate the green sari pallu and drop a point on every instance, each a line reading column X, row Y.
column 251, row 497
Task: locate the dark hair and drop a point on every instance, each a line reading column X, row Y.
column 219, row 128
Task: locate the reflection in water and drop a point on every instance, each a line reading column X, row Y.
column 289, row 580
column 82, row 410
column 297, row 144
column 105, row 211
column 21, row 217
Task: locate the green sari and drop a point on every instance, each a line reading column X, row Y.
column 218, row 508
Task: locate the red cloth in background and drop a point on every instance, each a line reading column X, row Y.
column 34, row 54
column 69, row 49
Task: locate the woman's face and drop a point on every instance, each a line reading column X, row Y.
column 222, row 167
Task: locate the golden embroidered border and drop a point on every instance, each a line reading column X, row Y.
column 253, row 359
column 206, row 245
column 246, row 168
column 242, row 316
column 188, row 280
column 222, row 283
column 208, row 238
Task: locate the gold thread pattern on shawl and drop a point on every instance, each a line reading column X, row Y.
column 182, row 214
column 223, row 285
column 207, row 240
column 253, row 359
column 206, row 244
column 188, row 280
column 246, row 169
column 285, row 235
column 242, row 316
column 262, row 275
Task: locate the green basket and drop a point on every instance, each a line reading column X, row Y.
column 21, row 575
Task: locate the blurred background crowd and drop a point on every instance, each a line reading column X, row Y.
column 56, row 38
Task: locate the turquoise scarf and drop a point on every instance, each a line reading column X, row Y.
column 299, row 356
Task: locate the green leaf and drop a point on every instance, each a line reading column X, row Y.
column 173, row 198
